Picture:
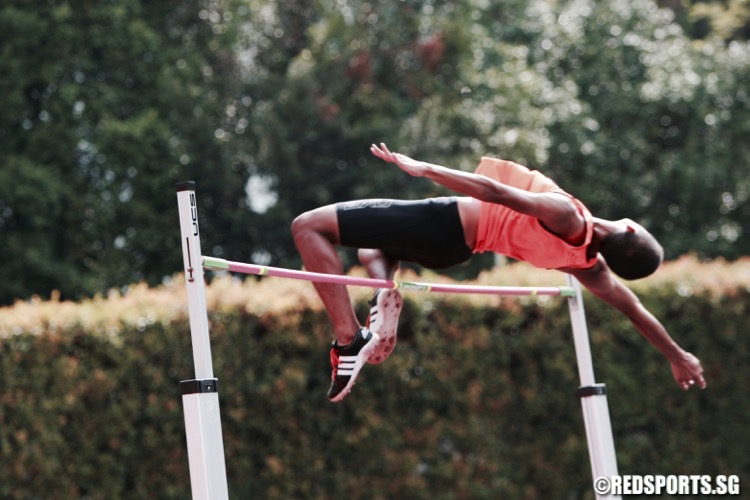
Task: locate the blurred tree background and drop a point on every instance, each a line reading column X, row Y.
column 639, row 108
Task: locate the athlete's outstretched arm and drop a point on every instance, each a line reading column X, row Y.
column 686, row 368
column 557, row 212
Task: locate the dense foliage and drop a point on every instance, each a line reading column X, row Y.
column 477, row 401
column 105, row 106
column 640, row 111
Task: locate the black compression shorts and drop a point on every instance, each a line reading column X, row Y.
column 426, row 232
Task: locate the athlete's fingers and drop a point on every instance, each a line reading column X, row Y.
column 383, row 152
column 378, row 152
column 689, row 383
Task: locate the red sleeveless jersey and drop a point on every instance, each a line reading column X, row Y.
column 523, row 237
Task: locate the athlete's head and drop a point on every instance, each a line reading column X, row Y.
column 632, row 253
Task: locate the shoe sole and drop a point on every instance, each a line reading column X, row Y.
column 364, row 354
column 389, row 304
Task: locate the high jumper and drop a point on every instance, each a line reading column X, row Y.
column 504, row 208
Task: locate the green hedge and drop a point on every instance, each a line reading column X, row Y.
column 477, row 401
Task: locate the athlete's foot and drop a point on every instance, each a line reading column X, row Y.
column 385, row 308
column 348, row 360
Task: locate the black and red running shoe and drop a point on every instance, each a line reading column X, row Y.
column 348, row 360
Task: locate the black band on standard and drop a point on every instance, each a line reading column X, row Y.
column 185, row 186
column 592, row 390
column 199, row 386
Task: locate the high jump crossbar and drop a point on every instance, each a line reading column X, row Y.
column 258, row 270
column 200, row 395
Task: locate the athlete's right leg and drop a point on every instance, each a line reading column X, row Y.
column 385, row 305
column 377, row 263
column 316, row 235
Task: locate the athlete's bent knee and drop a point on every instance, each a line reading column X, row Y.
column 321, row 221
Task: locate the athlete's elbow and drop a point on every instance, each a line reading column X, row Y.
column 567, row 209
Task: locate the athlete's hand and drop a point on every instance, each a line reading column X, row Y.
column 411, row 166
column 687, row 371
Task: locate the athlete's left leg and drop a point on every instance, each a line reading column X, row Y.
column 316, row 235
